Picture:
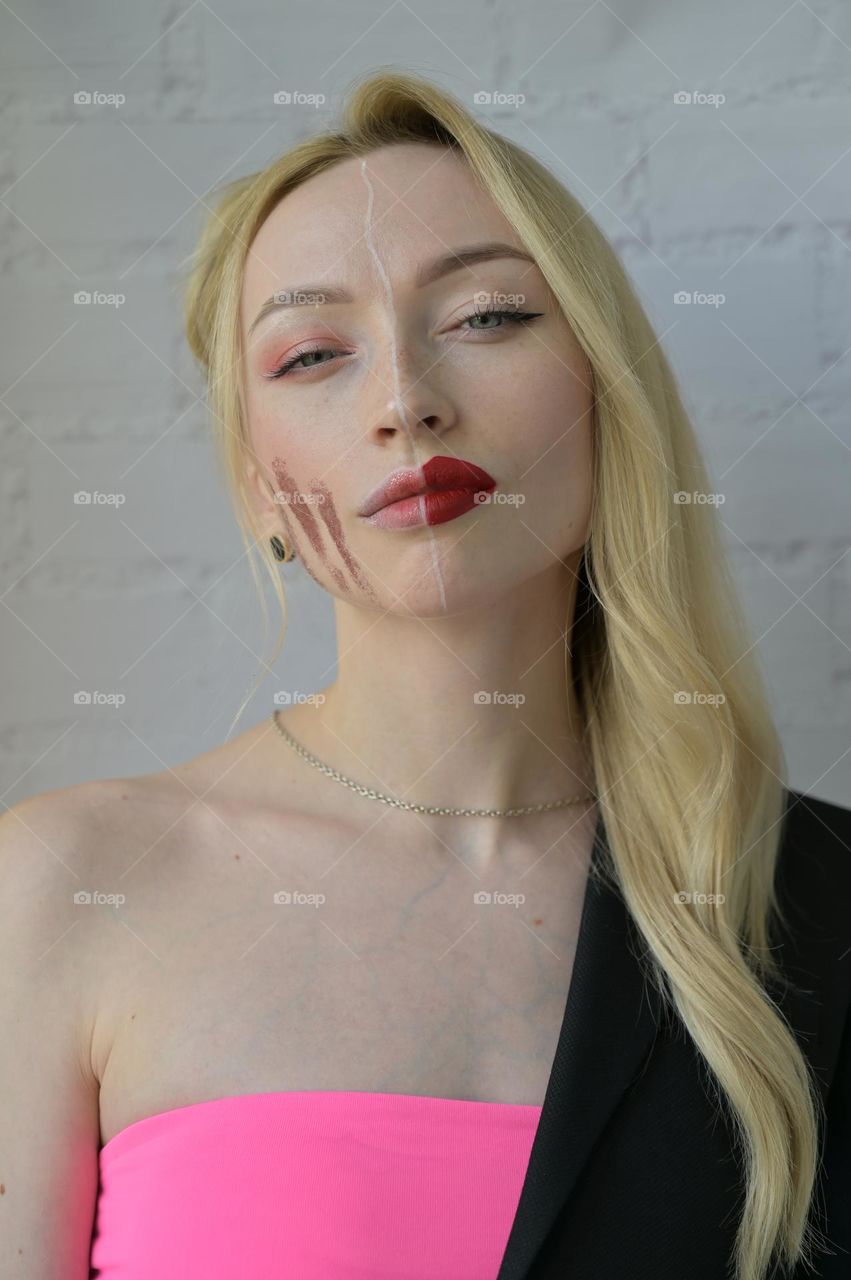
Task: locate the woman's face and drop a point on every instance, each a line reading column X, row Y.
column 402, row 370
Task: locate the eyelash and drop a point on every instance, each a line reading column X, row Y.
column 516, row 317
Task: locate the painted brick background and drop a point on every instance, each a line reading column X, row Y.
column 749, row 197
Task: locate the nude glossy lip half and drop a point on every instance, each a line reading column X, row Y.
column 443, row 489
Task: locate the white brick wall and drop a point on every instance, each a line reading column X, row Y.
column 152, row 599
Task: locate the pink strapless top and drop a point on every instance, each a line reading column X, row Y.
column 313, row 1185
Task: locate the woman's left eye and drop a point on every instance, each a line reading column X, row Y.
column 294, row 363
column 516, row 317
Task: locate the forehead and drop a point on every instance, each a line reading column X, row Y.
column 425, row 201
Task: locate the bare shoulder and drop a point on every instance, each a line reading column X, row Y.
column 75, row 833
column 59, row 850
column 81, row 828
column 48, row 1081
column 67, row 952
column 60, row 845
column 49, row 842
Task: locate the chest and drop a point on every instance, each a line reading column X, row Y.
column 443, row 984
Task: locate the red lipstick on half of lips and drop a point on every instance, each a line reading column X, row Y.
column 443, row 489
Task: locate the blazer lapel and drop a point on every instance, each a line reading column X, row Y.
column 610, row 1019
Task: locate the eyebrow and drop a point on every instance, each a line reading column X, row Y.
column 454, row 260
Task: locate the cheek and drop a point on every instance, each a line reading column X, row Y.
column 308, row 508
column 559, row 482
column 557, row 458
column 309, row 439
column 547, row 416
column 297, row 461
column 271, row 433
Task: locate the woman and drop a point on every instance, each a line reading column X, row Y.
column 510, row 954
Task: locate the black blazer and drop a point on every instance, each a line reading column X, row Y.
column 633, row 1173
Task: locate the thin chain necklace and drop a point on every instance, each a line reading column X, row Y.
column 371, row 794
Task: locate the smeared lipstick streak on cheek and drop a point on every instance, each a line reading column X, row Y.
column 332, row 520
column 305, row 517
column 308, row 522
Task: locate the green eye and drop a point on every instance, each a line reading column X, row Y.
column 515, row 317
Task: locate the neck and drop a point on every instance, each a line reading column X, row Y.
column 403, row 714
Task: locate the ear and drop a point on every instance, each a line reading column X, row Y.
column 261, row 495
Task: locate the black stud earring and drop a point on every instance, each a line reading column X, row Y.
column 279, row 550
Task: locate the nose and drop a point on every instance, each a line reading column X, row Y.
column 410, row 402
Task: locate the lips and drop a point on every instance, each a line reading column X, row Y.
column 458, row 480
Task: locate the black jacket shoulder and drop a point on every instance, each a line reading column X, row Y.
column 814, row 887
column 813, row 881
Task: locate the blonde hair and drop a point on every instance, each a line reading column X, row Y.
column 692, row 793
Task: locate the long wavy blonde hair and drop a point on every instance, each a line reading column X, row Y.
column 692, row 791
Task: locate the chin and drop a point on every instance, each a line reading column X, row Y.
column 416, row 590
column 423, row 601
